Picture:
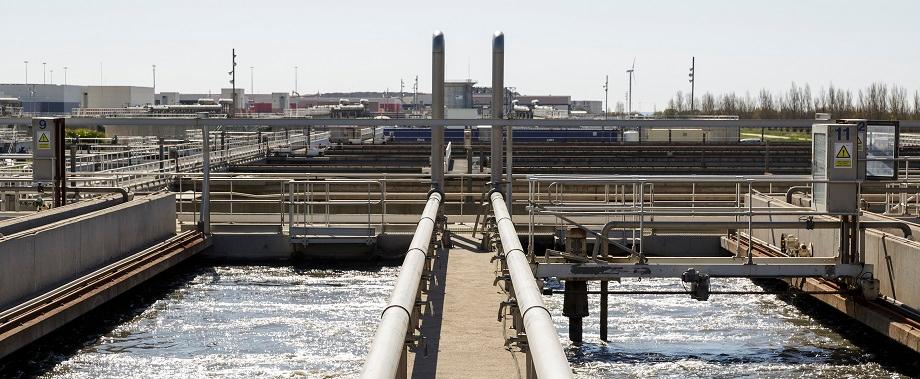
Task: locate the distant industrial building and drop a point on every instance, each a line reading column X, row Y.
column 116, row 96
column 561, row 103
column 44, row 98
column 458, row 94
column 591, row 107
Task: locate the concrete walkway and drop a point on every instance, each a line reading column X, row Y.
column 463, row 335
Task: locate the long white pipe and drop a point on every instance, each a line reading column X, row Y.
column 437, row 110
column 389, row 341
column 498, row 102
column 548, row 358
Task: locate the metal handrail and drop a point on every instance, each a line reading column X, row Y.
column 548, row 358
column 388, row 356
column 294, row 195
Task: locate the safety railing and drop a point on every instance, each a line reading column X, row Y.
column 311, row 202
column 532, row 320
column 633, row 207
column 388, row 356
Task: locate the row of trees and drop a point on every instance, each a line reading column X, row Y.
column 878, row 101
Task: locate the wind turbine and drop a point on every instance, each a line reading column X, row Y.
column 631, row 71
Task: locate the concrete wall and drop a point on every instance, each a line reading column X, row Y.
column 895, row 260
column 34, row 220
column 35, row 261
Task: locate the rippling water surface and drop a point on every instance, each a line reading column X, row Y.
column 253, row 321
column 276, row 321
column 729, row 336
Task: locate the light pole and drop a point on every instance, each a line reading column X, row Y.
column 154, row 81
column 692, row 80
column 65, row 75
column 252, row 88
column 52, row 77
column 27, row 71
column 44, row 67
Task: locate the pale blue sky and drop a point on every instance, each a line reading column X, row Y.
column 551, row 46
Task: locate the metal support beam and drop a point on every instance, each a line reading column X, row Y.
column 300, row 123
column 732, row 268
column 205, row 214
column 509, row 164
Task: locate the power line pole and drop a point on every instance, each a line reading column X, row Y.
column 692, row 80
column 606, row 101
column 402, row 86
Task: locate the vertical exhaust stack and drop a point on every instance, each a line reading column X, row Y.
column 498, row 102
column 437, row 110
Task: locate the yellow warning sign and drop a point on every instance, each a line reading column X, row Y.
column 43, row 141
column 843, row 152
column 842, row 157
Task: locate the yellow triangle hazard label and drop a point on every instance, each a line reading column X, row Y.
column 43, row 138
column 843, row 152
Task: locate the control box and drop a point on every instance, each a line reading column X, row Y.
column 836, row 168
column 45, row 134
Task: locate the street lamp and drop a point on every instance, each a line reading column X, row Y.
column 27, row 71
column 65, row 75
column 44, row 66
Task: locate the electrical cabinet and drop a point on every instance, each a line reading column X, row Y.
column 836, row 168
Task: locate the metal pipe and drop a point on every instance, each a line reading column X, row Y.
column 384, row 358
column 205, row 213
column 601, row 248
column 542, row 340
column 498, row 106
column 905, row 227
column 126, row 195
column 793, row 189
column 437, row 110
column 509, row 130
